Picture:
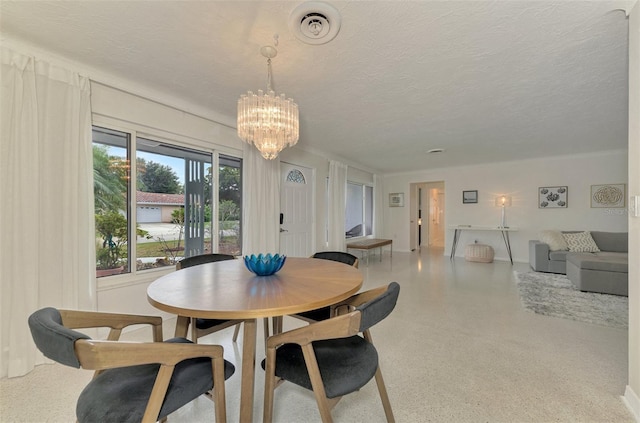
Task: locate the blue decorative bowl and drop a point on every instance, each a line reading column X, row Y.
column 264, row 264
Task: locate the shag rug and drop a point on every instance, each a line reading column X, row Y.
column 554, row 295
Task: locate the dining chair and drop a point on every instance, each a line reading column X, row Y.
column 203, row 327
column 324, row 313
column 134, row 381
column 330, row 357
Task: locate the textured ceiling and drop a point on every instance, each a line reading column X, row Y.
column 485, row 80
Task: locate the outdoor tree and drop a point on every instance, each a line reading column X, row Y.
column 228, row 211
column 112, row 228
column 156, row 177
column 228, row 215
column 229, row 184
column 109, row 180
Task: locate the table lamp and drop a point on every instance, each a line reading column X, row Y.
column 503, row 201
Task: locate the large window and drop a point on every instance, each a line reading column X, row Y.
column 359, row 210
column 166, row 201
column 230, row 205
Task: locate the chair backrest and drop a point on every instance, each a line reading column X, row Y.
column 202, row 259
column 340, row 256
column 56, row 341
column 377, row 309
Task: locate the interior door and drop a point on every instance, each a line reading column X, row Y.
column 296, row 211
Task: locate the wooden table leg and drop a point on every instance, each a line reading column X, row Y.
column 248, row 370
column 182, row 325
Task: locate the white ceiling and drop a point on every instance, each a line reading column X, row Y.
column 485, row 80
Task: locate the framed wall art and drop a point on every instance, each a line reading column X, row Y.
column 552, row 197
column 608, row 196
column 396, row 199
column 469, row 197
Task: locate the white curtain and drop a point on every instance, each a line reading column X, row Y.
column 261, row 203
column 46, row 220
column 337, row 206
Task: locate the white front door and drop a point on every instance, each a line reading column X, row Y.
column 297, row 213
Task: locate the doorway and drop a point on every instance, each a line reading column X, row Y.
column 427, row 211
column 296, row 210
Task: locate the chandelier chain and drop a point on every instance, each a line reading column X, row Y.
column 269, row 89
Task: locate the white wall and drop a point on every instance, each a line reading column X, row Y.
column 520, row 180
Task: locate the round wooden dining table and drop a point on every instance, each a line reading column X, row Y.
column 228, row 290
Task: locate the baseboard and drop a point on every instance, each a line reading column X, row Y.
column 632, row 401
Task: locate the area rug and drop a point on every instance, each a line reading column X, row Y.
column 554, row 295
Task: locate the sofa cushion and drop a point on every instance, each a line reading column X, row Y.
column 554, row 239
column 612, row 241
column 604, row 262
column 581, row 242
column 558, row 255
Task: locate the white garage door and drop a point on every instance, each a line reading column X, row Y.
column 149, row 214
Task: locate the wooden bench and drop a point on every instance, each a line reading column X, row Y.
column 369, row 244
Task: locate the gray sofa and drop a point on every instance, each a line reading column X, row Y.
column 605, row 271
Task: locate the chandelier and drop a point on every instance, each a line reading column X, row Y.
column 268, row 121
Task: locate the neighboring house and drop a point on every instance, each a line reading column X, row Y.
column 153, row 207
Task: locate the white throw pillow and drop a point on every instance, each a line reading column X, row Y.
column 581, row 242
column 554, row 239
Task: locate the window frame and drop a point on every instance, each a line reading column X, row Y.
column 136, row 131
column 364, row 187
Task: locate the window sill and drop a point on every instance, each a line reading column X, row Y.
column 129, row 279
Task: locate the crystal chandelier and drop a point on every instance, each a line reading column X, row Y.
column 265, row 120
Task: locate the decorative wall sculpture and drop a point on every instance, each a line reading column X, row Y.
column 552, row 197
column 608, row 196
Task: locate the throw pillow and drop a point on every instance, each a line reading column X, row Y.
column 554, row 239
column 581, row 242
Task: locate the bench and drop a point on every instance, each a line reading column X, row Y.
column 369, row 244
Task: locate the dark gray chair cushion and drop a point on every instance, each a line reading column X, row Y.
column 204, row 258
column 318, row 314
column 379, row 308
column 346, row 364
column 122, row 394
column 54, row 340
column 338, row 256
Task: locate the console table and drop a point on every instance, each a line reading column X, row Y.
column 503, row 230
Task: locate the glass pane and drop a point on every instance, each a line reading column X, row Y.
column 111, row 175
column 170, row 179
column 368, row 210
column 354, row 214
column 230, row 206
column 296, row 176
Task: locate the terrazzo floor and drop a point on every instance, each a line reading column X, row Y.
column 459, row 347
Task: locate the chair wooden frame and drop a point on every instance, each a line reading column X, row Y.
column 100, row 355
column 345, row 323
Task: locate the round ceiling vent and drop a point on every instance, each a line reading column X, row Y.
column 315, row 22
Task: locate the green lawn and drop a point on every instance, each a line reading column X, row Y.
column 157, row 249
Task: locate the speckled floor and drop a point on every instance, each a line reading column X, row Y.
column 459, row 347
